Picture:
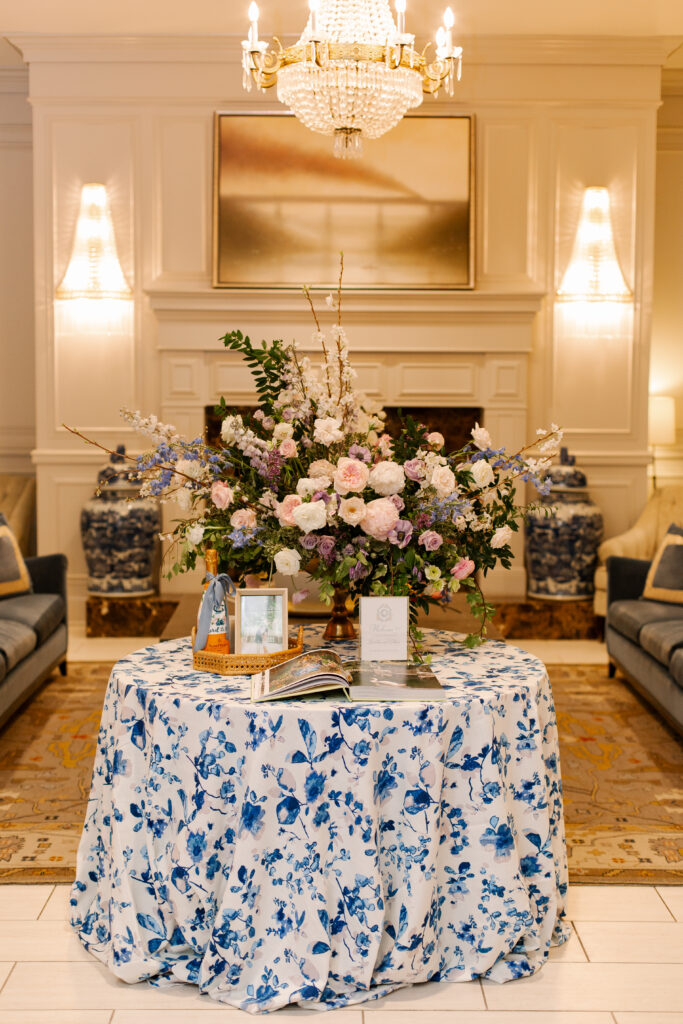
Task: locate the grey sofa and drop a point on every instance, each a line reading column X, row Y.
column 645, row 638
column 33, row 633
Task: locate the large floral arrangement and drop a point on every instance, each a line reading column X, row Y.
column 310, row 481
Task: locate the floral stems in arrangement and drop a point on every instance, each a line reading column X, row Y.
column 311, row 479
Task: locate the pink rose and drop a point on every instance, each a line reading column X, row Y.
column 243, row 519
column 414, row 469
column 463, row 568
column 430, row 540
column 350, row 475
column 381, row 516
column 386, row 445
column 435, row 439
column 288, row 448
column 221, row 494
column 284, row 510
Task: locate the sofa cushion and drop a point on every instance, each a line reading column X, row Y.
column 660, row 639
column 629, row 617
column 676, row 667
column 665, row 579
column 14, row 577
column 16, row 642
column 41, row 612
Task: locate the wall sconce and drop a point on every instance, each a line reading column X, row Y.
column 94, row 296
column 661, row 425
column 594, row 300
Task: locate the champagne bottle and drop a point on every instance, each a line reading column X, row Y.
column 218, row 641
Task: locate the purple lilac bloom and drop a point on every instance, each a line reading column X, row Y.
column 414, row 469
column 424, row 519
column 309, row 541
column 326, row 547
column 401, row 533
column 360, row 452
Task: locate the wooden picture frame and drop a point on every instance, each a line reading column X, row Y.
column 285, row 206
column 261, row 620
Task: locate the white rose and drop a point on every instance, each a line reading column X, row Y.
column 307, row 486
column 283, row 430
column 321, row 467
column 189, row 467
column 482, row 473
column 352, row 510
column 481, row 437
column 327, row 430
column 387, row 478
column 443, row 479
column 183, row 498
column 310, row 515
column 230, row 427
column 195, row 535
column 288, row 561
column 501, row 537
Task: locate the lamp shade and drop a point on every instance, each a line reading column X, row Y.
column 661, row 420
column 94, row 271
column 593, row 297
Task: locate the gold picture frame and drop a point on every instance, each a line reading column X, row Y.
column 284, row 206
column 261, row 620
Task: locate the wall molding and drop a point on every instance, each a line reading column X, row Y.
column 13, row 80
column 226, row 49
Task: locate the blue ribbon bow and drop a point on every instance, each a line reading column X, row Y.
column 214, row 596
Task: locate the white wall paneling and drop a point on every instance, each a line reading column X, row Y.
column 17, row 405
column 551, row 117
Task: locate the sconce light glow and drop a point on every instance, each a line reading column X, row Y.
column 594, row 299
column 661, row 422
column 94, row 293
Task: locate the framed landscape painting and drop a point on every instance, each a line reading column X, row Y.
column 285, row 206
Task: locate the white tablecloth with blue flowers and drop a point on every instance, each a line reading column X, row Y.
column 322, row 852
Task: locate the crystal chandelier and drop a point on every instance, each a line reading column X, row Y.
column 355, row 71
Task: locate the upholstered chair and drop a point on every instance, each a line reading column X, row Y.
column 642, row 540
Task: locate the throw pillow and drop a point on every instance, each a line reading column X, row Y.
column 14, row 576
column 665, row 578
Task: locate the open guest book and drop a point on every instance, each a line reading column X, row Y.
column 323, row 671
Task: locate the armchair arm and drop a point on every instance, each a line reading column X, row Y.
column 48, row 574
column 625, row 578
column 635, row 543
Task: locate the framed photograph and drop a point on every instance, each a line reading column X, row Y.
column 261, row 620
column 285, row 206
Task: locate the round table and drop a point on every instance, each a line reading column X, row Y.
column 321, row 851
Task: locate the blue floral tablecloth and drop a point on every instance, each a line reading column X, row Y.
column 321, row 852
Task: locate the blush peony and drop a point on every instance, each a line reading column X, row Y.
column 443, row 479
column 352, row 510
column 310, row 516
column 350, row 475
column 284, row 510
column 435, row 439
column 221, row 494
column 387, row 478
column 381, row 516
column 288, row 448
column 462, row 569
column 243, row 519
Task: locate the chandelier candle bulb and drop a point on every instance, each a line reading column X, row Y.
column 449, row 21
column 313, row 7
column 401, row 19
column 253, row 23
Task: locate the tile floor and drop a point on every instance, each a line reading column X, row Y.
column 622, row 965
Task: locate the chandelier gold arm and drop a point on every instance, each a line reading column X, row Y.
column 266, row 65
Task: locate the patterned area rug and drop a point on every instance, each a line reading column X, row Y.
column 622, row 771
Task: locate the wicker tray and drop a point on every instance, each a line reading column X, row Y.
column 244, row 664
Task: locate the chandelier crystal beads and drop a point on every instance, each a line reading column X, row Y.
column 354, row 72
